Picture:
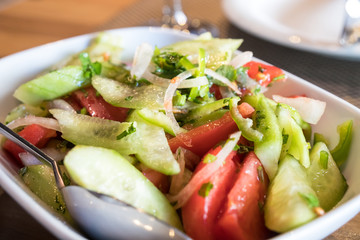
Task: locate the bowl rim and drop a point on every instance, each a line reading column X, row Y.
column 61, row 229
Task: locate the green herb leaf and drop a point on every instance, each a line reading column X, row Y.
column 167, row 64
column 310, row 199
column 89, row 68
column 209, row 158
column 129, row 98
column 285, row 138
column 227, row 71
column 205, row 189
column 129, row 131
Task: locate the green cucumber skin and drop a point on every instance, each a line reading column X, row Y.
column 148, row 142
column 329, row 184
column 296, row 144
column 51, row 85
column 268, row 150
column 284, row 207
column 106, row 171
column 157, row 118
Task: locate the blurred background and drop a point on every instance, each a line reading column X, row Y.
column 301, row 36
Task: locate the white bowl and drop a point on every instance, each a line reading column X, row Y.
column 21, row 67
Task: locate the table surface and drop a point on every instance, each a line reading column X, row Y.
column 29, row 23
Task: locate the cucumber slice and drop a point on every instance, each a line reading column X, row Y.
column 106, row 171
column 51, row 85
column 147, row 142
column 123, row 95
column 23, row 110
column 326, row 178
column 157, row 118
column 286, row 207
column 269, row 148
column 294, row 141
column 41, row 181
column 218, row 51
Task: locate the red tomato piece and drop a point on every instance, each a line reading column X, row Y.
column 214, row 89
column 263, row 73
column 73, row 103
column 242, row 216
column 207, row 136
column 96, row 106
column 199, row 213
column 35, row 134
column 161, row 181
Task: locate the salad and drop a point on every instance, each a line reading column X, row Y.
column 183, row 132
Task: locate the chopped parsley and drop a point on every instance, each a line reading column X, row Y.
column 310, row 199
column 209, row 158
column 129, row 98
column 168, row 64
column 205, row 189
column 89, row 68
column 127, row 132
column 285, row 138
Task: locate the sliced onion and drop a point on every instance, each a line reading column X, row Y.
column 164, row 82
column 251, row 84
column 141, row 60
column 241, row 59
column 309, row 109
column 194, row 82
column 61, row 104
column 49, row 123
column 177, row 180
column 169, row 94
column 156, row 80
column 226, row 92
column 29, row 159
column 206, row 172
column 223, row 79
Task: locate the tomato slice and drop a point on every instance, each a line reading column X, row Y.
column 264, row 73
column 161, row 181
column 35, row 134
column 200, row 212
column 96, row 106
column 207, row 136
column 214, row 89
column 242, row 216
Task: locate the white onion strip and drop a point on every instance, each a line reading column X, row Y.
column 142, row 59
column 49, row 123
column 29, row 159
column 61, row 104
column 206, row 172
column 194, row 82
column 223, row 79
column 156, row 80
column 169, row 94
column 164, row 82
column 241, row 59
column 177, row 180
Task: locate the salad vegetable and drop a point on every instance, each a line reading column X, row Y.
column 183, row 130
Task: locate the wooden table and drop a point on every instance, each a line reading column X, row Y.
column 29, row 23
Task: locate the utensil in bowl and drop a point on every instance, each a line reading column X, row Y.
column 99, row 215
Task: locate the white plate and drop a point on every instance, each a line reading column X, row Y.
column 308, row 25
column 20, row 67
